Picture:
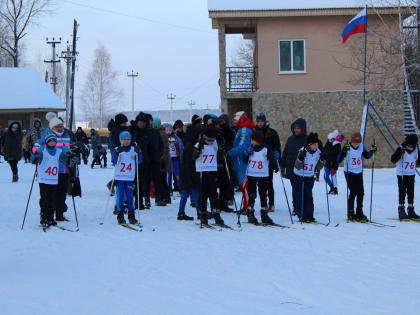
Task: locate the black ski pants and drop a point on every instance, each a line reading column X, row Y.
column 406, row 188
column 13, row 166
column 155, row 175
column 63, row 180
column 263, row 186
column 208, row 190
column 47, row 202
column 225, row 188
column 302, row 190
column 356, row 190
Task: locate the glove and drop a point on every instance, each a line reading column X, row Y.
column 137, row 148
column 373, row 148
column 35, row 157
column 119, row 149
column 201, row 145
column 276, row 170
column 276, row 154
column 302, row 155
column 347, row 147
column 250, row 150
column 222, row 146
column 316, row 175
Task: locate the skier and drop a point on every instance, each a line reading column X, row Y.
column 296, row 141
column 239, row 154
column 258, row 172
column 332, row 151
column 353, row 153
column 125, row 161
column 12, row 148
column 205, row 156
column 48, row 160
column 272, row 141
column 406, row 157
column 308, row 165
column 63, row 140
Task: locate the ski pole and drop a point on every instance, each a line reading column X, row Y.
column 137, row 183
column 347, row 180
column 234, row 200
column 74, row 205
column 328, row 202
column 30, row 193
column 112, row 185
column 303, row 191
column 371, row 185
column 285, row 193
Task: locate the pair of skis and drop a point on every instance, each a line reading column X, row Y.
column 373, row 223
column 45, row 228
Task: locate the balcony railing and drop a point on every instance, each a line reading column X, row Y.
column 241, row 79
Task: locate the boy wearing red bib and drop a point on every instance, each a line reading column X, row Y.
column 48, row 159
column 205, row 156
column 405, row 157
column 126, row 157
column 308, row 164
column 260, row 160
column 353, row 154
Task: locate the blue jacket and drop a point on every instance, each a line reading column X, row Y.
column 37, row 158
column 239, row 152
column 114, row 157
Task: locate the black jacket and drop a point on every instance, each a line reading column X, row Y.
column 331, row 154
column 12, row 143
column 81, row 137
column 293, row 144
column 189, row 177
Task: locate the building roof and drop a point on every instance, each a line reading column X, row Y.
column 23, row 88
column 252, row 5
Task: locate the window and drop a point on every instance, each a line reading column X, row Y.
column 292, row 56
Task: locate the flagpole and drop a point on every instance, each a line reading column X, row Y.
column 365, row 65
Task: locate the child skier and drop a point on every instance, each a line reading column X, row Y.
column 261, row 159
column 332, row 151
column 308, row 164
column 48, row 160
column 353, row 153
column 205, row 156
column 176, row 149
column 406, row 158
column 124, row 160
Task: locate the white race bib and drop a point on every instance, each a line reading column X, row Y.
column 172, row 150
column 48, row 169
column 353, row 163
column 258, row 164
column 207, row 161
column 126, row 168
column 406, row 166
column 309, row 164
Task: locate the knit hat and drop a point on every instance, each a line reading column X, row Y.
column 124, row 134
column 339, row 137
column 261, row 117
column 53, row 120
column 356, row 138
column 312, row 138
column 411, row 140
column 225, row 118
column 196, row 119
column 157, row 122
column 120, row 119
column 210, row 134
column 258, row 136
column 238, row 116
column 142, row 117
column 206, row 119
column 178, row 124
column 50, row 136
column 333, row 135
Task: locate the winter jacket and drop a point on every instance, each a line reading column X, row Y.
column 239, row 153
column 166, row 161
column 142, row 137
column 37, row 158
column 81, row 137
column 95, row 141
column 189, row 176
column 291, row 149
column 272, row 140
column 12, row 143
column 33, row 135
column 332, row 153
column 114, row 158
column 155, row 146
column 63, row 140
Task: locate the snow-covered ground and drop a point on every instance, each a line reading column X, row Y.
column 180, row 269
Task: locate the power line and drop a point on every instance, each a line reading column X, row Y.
column 139, row 18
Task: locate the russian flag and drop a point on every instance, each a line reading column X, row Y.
column 357, row 25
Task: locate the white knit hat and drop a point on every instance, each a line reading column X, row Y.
column 238, row 116
column 55, row 122
column 333, row 134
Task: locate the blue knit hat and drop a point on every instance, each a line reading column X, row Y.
column 157, row 122
column 125, row 134
column 50, row 136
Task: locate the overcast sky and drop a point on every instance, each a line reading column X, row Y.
column 180, row 60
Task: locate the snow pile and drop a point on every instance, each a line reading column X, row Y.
column 180, row 269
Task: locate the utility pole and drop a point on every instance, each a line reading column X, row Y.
column 72, row 124
column 68, row 57
column 207, row 109
column 191, row 104
column 172, row 98
column 53, row 61
column 132, row 76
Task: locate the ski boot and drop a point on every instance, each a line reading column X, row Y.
column 251, row 217
column 160, row 202
column 270, row 208
column 360, row 216
column 183, row 217
column 147, row 203
column 217, row 218
column 401, row 213
column 15, row 178
column 203, row 218
column 120, row 217
column 115, row 212
column 59, row 216
column 132, row 218
column 411, row 214
column 333, row 191
column 265, row 218
column 350, row 215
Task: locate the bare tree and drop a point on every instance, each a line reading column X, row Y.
column 244, row 55
column 17, row 15
column 101, row 94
